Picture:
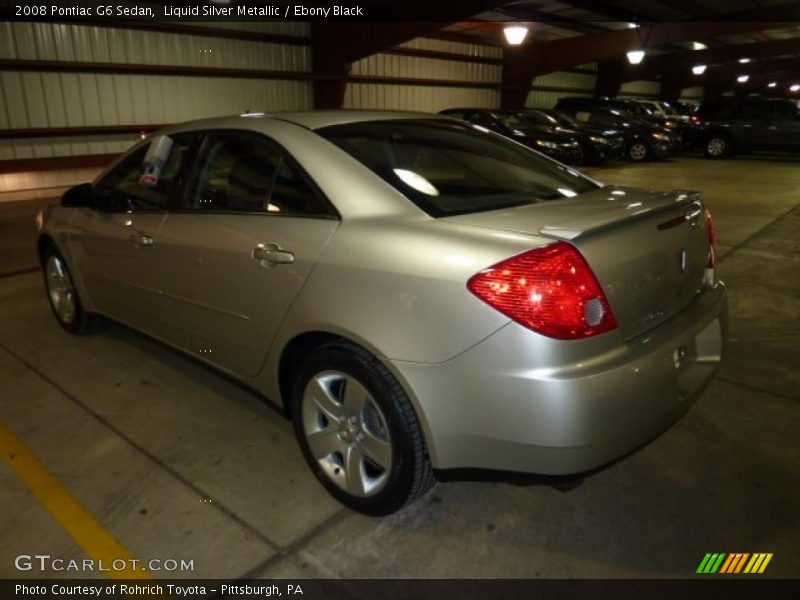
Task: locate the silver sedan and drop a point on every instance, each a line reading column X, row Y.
column 415, row 293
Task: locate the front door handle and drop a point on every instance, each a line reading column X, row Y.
column 142, row 239
column 272, row 253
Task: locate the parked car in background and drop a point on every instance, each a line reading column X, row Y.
column 414, row 293
column 643, row 139
column 629, row 107
column 729, row 126
column 559, row 145
column 598, row 143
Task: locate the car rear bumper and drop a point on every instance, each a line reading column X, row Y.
column 504, row 405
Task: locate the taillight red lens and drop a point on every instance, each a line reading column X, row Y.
column 712, row 241
column 551, row 290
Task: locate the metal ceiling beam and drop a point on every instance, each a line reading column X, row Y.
column 521, row 65
column 336, row 45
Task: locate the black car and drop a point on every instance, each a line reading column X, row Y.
column 643, row 139
column 555, row 144
column 725, row 127
column 627, row 106
column 598, row 143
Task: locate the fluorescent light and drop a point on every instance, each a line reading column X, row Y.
column 772, row 84
column 699, row 69
column 698, row 46
column 632, row 25
column 743, row 78
column 744, row 61
column 795, row 87
column 635, row 56
column 515, row 34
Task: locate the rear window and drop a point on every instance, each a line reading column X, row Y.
column 447, row 168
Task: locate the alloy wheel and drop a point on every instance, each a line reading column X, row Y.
column 717, row 146
column 638, row 151
column 347, row 433
column 61, row 290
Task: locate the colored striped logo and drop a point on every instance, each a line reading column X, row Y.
column 737, row 562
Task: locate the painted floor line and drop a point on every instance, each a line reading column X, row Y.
column 88, row 533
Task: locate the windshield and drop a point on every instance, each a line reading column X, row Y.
column 513, row 121
column 449, row 168
column 566, row 120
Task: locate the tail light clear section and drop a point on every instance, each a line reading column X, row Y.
column 712, row 241
column 551, row 290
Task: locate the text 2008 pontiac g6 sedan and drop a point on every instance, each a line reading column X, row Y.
column 417, row 294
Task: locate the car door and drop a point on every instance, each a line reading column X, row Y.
column 250, row 228
column 785, row 125
column 750, row 124
column 114, row 243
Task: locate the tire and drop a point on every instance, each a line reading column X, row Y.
column 638, row 151
column 718, row 146
column 372, row 461
column 62, row 294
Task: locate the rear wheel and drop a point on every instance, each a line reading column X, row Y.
column 638, row 151
column 358, row 431
column 718, row 146
column 62, row 294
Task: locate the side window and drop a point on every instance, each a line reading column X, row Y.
column 753, row 111
column 241, row 173
column 786, row 111
column 602, row 118
column 121, row 190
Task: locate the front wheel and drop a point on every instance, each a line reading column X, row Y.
column 718, row 146
column 638, row 151
column 62, row 294
column 358, row 431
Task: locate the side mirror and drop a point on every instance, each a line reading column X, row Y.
column 80, row 196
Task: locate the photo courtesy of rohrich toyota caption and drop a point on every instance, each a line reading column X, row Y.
column 399, row 299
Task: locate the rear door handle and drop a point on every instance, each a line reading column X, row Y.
column 272, row 253
column 142, row 239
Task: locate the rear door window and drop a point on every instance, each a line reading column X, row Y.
column 242, row 172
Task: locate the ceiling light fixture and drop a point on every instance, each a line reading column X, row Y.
column 743, row 78
column 772, row 84
column 698, row 46
column 699, row 69
column 744, row 61
column 632, row 25
column 515, row 34
column 635, row 56
column 795, row 87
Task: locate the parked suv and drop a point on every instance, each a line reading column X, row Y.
column 726, row 127
column 559, row 145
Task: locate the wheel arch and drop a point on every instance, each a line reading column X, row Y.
column 290, row 362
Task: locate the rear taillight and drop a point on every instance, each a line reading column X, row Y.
column 551, row 290
column 712, row 241
column 694, row 119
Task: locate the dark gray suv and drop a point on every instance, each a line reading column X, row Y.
column 727, row 127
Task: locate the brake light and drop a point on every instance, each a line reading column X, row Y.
column 694, row 119
column 551, row 290
column 712, row 241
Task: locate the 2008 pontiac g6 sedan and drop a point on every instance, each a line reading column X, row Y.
column 417, row 294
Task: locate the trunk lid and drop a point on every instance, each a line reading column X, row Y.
column 649, row 250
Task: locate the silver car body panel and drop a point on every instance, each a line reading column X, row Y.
column 488, row 392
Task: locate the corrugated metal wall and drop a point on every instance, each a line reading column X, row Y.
column 426, row 98
column 570, row 83
column 41, row 99
column 641, row 87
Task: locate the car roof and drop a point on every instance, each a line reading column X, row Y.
column 310, row 119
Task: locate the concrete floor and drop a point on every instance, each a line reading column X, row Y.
column 177, row 462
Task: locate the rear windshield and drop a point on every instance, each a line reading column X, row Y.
column 448, row 168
